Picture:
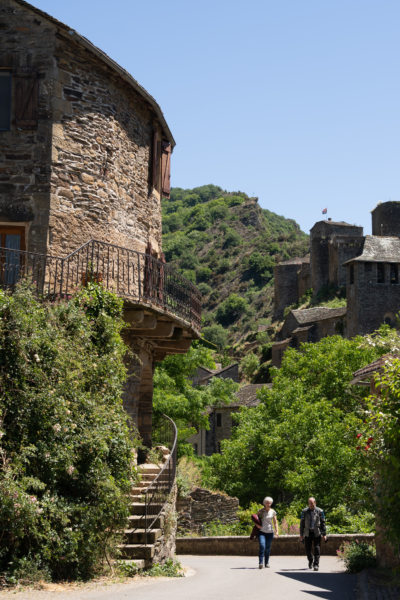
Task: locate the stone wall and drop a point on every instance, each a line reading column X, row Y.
column 204, row 506
column 386, row 219
column 284, row 545
column 26, row 52
column 370, row 303
column 102, row 143
column 165, row 546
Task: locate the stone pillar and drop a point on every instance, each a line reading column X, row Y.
column 138, row 393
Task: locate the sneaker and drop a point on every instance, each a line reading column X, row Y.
column 310, row 564
column 267, row 566
column 316, row 567
column 260, row 566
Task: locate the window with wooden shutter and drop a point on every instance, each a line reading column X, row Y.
column 166, row 169
column 5, row 100
column 26, row 93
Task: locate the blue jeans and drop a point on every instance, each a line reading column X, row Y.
column 265, row 541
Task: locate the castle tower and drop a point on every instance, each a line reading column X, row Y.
column 331, row 244
column 386, row 219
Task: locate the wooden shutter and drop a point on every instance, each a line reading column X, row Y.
column 166, row 169
column 156, row 160
column 26, row 92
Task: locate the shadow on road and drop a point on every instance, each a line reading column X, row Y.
column 333, row 586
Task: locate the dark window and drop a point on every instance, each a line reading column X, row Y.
column 5, row 100
column 195, row 448
column 12, row 241
column 219, row 420
column 351, row 274
column 381, row 273
column 219, row 447
column 394, row 273
column 26, row 92
column 368, row 267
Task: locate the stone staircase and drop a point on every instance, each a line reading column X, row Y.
column 135, row 547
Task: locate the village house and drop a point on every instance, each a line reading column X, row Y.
column 342, row 258
column 85, row 158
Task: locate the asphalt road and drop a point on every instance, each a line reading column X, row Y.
column 224, row 578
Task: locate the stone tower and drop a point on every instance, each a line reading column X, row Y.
column 386, row 219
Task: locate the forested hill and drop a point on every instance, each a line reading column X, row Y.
column 226, row 244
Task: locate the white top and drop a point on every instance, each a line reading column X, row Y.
column 266, row 520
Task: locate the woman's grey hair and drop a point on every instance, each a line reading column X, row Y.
column 268, row 499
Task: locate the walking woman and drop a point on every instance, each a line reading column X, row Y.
column 268, row 525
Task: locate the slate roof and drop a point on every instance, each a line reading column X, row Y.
column 297, row 260
column 365, row 373
column 247, row 395
column 80, row 39
column 379, row 249
column 319, row 313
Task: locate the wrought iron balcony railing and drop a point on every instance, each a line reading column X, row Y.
column 132, row 275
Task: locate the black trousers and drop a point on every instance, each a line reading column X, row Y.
column 309, row 541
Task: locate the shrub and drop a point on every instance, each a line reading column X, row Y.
column 216, row 334
column 188, row 476
column 231, row 309
column 357, row 556
column 249, row 365
column 65, row 450
column 203, row 274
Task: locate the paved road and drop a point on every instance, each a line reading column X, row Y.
column 226, row 578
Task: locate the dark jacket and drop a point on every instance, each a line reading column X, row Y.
column 255, row 532
column 319, row 523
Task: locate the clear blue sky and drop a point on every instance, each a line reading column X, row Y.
column 294, row 101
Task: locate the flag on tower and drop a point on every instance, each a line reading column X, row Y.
column 325, row 210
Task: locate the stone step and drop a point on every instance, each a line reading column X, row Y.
column 138, row 521
column 138, row 536
column 137, row 551
column 139, row 508
column 140, row 563
column 148, row 468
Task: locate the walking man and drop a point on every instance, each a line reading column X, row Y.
column 312, row 528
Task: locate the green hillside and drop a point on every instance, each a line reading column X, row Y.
column 226, row 244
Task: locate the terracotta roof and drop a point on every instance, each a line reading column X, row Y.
column 319, row 313
column 80, row 39
column 365, row 373
column 379, row 249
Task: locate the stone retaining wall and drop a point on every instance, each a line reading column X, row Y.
column 243, row 546
column 203, row 506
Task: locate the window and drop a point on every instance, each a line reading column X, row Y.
column 5, row 100
column 380, row 273
column 219, row 420
column 394, row 273
column 351, row 274
column 12, row 239
column 195, row 448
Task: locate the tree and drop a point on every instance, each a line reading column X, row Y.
column 231, row 309
column 300, row 439
column 175, row 395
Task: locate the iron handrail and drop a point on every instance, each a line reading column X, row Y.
column 157, row 493
column 133, row 275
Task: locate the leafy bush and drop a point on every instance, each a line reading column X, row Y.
column 65, row 449
column 216, row 334
column 188, row 476
column 342, row 520
column 357, row 556
column 231, row 309
column 249, row 365
column 171, row 568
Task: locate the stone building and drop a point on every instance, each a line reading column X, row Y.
column 308, row 325
column 331, row 244
column 84, row 161
column 208, row 441
column 291, row 281
column 373, row 285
